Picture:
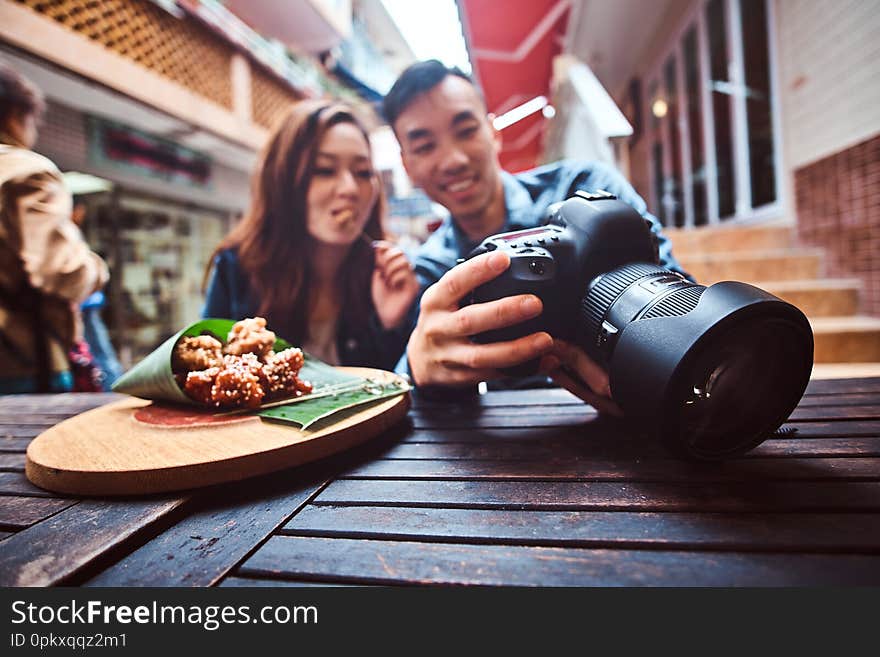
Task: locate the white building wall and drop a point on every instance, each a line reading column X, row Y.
column 829, row 73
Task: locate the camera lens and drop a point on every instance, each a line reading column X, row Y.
column 741, row 386
column 712, row 370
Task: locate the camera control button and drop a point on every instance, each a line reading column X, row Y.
column 490, row 246
column 598, row 195
column 555, row 238
column 606, row 333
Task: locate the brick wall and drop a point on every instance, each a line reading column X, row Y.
column 838, row 208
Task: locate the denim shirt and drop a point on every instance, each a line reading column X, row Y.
column 230, row 296
column 527, row 197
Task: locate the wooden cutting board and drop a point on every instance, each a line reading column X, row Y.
column 134, row 446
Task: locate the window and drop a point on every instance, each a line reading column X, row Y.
column 694, row 118
column 675, row 212
column 758, row 95
column 712, row 125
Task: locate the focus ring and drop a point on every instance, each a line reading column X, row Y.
column 605, row 290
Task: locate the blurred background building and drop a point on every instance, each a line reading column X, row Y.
column 749, row 126
column 156, row 113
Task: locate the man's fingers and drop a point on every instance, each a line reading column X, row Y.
column 571, row 368
column 578, row 362
column 577, row 388
column 461, row 376
column 462, row 279
column 498, row 354
column 479, row 317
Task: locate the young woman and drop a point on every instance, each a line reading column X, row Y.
column 310, row 254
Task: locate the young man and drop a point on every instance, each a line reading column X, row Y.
column 450, row 149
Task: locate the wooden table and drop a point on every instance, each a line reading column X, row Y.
column 516, row 488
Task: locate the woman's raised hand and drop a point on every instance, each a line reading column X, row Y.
column 394, row 285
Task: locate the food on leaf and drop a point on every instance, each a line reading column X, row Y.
column 243, row 373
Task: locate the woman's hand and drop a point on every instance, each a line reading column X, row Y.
column 571, row 368
column 395, row 286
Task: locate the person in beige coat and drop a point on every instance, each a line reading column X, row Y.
column 46, row 267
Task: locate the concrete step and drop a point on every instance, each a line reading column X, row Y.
column 854, row 339
column 771, row 265
column 763, row 237
column 845, row 370
column 831, row 297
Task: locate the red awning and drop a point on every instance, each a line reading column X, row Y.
column 512, row 45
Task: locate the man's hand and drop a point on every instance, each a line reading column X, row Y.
column 394, row 286
column 571, row 368
column 440, row 351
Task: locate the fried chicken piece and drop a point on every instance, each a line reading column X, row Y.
column 281, row 371
column 237, row 384
column 199, row 352
column 199, row 384
column 250, row 336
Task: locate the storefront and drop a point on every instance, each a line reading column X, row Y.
column 157, row 250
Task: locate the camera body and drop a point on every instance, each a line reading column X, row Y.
column 710, row 370
column 589, row 234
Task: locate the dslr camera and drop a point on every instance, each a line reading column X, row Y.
column 711, row 371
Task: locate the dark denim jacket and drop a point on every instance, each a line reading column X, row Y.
column 230, row 296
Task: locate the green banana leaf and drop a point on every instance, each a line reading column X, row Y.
column 310, row 410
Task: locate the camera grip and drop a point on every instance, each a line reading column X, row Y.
column 531, row 271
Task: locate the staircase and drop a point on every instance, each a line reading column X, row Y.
column 847, row 344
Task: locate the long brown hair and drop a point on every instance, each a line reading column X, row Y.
column 272, row 241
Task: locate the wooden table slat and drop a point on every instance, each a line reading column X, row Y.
column 826, row 412
column 806, row 469
column 839, row 399
column 792, row 497
column 11, row 462
column 371, row 561
column 252, row 582
column 843, row 386
column 15, row 483
column 550, row 449
column 549, row 396
column 212, row 539
column 567, row 416
column 827, row 532
column 53, row 550
column 20, row 512
column 17, row 437
column 599, row 429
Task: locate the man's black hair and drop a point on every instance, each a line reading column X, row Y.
column 417, row 79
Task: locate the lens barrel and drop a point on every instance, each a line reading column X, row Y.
column 712, row 370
